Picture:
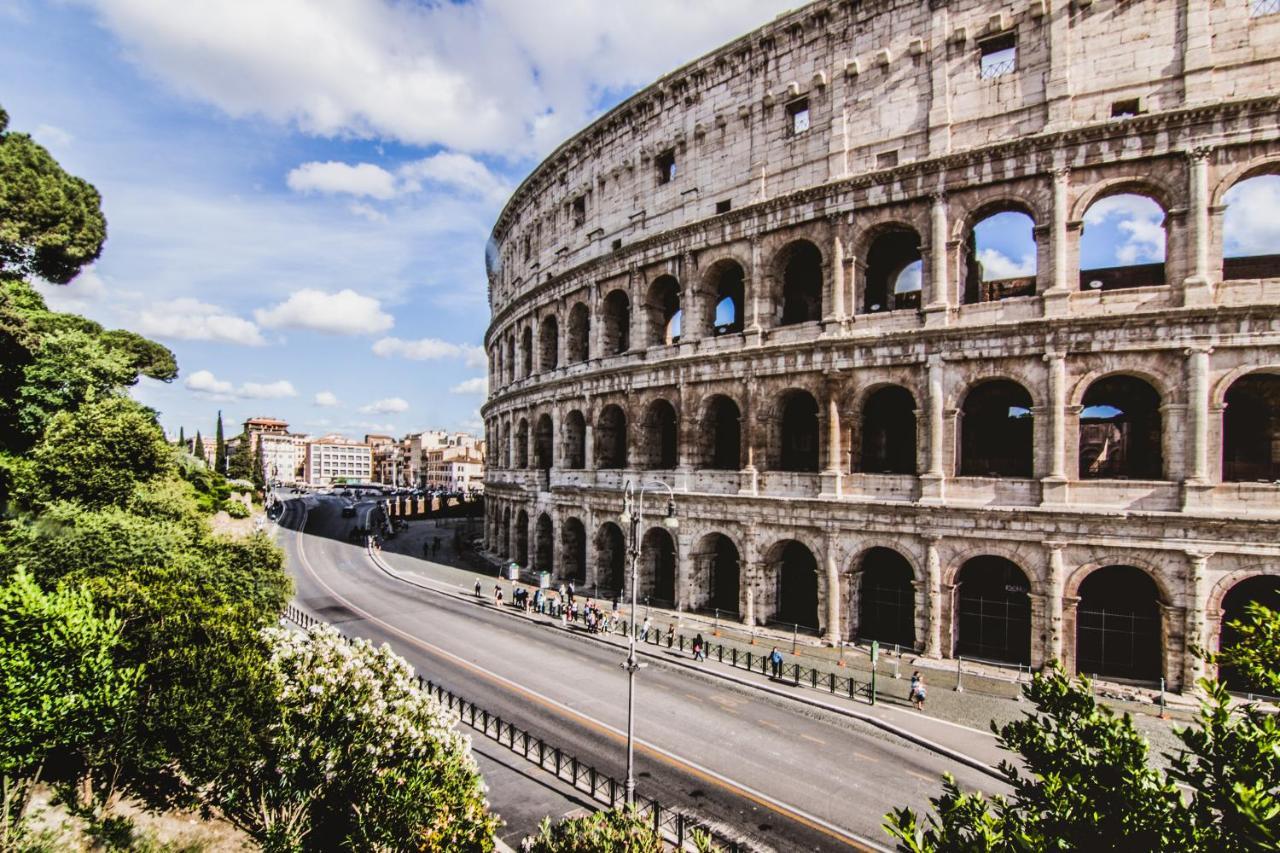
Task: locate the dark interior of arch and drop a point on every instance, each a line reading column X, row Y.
column 506, row 445
column 575, row 440
column 511, row 359
column 798, row 433
column 889, row 432
column 544, row 545
column 617, row 323
column 1251, row 429
column 522, row 445
column 886, row 599
column 662, row 306
column 573, row 543
column 660, row 437
column 1118, row 633
column 993, row 611
column 611, row 554
column 611, row 438
column 526, row 352
column 543, row 444
column 797, row 587
column 549, row 344
column 801, row 284
column 1263, row 589
column 658, row 567
column 726, row 291
column 978, row 285
column 722, row 435
column 996, row 434
column 890, row 253
column 578, row 346
column 522, row 538
column 504, row 533
column 1120, row 430
column 724, row 572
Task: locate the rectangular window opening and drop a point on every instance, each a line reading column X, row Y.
column 617, row 244
column 724, row 206
column 1127, row 107
column 999, row 56
column 579, row 211
column 666, row 163
column 887, row 159
column 798, row 117
column 1260, row 8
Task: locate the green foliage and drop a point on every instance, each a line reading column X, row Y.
column 198, row 449
column 599, row 832
column 220, row 449
column 62, row 685
column 236, row 509
column 1256, row 655
column 240, row 461
column 146, row 357
column 51, row 223
column 355, row 758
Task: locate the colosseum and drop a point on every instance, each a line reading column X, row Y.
column 784, row 280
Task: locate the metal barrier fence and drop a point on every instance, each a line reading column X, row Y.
column 676, row 826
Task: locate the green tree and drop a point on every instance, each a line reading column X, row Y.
column 182, row 438
column 1256, row 655
column 51, row 223
column 240, row 460
column 199, row 447
column 259, row 464
column 62, row 688
column 220, row 448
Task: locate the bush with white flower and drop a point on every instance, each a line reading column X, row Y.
column 356, row 757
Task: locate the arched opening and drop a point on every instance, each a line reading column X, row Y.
column 889, row 432
column 996, row 434
column 504, row 534
column 1251, row 429
column 718, row 568
column 886, row 599
column 797, row 439
column 544, row 545
column 1122, row 243
column 578, row 346
column 797, row 574
column 1262, row 589
column 543, row 444
column 993, row 611
column 1250, row 237
column 611, row 558
column 892, row 280
column 573, row 550
column 549, row 343
column 658, row 440
column 611, row 438
column 526, row 352
column 1118, row 625
column 801, row 279
column 575, row 440
column 658, row 567
column 1120, row 429
column 617, row 323
column 723, row 293
column 722, row 435
column 522, row 538
column 1000, row 257
column 662, row 311
column 522, row 444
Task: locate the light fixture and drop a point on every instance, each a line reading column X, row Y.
column 671, row 522
column 625, row 518
column 1095, row 284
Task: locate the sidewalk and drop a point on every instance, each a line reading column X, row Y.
column 958, row 721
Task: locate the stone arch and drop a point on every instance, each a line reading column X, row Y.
column 1263, row 588
column 992, row 609
column 578, row 345
column 658, row 446
column 892, row 276
column 1071, row 584
column 1244, row 255
column 997, row 430
column 616, row 317
column 521, row 554
column 1121, row 429
column 657, row 572
column 1254, row 168
column 883, row 595
column 795, row 434
column 526, row 352
column 1135, row 196
column 1119, row 623
column 543, row 443
column 716, row 579
column 1015, row 220
column 720, row 434
column 798, row 269
column 611, row 558
column 544, row 559
column 1148, row 185
column 791, row 593
column 1251, row 427
column 611, row 438
column 662, row 311
column 574, row 455
column 887, row 435
column 723, row 292
column 573, row 550
column 549, row 343
column 522, row 444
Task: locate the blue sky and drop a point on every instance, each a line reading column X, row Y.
column 299, row 192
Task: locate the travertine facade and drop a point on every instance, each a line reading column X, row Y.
column 757, row 280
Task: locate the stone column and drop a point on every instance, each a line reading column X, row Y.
column 756, row 282
column 933, row 481
column 933, row 579
column 1197, row 53
column 938, row 299
column 749, row 482
column 1053, row 602
column 835, row 316
column 1196, row 482
column 1193, row 667
column 833, row 474
column 691, row 307
column 1197, row 288
column 1056, row 298
column 1057, row 92
column 833, row 633
column 1054, row 486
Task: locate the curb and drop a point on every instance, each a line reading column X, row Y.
column 876, row 722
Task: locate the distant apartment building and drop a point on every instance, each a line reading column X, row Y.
column 420, row 445
column 337, row 459
column 283, row 456
column 454, row 469
column 389, row 458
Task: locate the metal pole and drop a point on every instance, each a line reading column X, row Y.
column 629, row 787
column 959, row 686
column 795, row 630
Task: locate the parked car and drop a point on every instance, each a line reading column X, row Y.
column 348, row 512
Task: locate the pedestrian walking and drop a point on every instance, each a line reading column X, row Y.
column 497, row 593
column 644, row 630
column 477, row 587
column 671, row 635
column 917, row 690
column 426, row 549
column 775, row 662
column 699, row 647
column 571, row 593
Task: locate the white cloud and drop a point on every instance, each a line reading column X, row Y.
column 996, row 265
column 1251, row 225
column 909, row 280
column 268, row 391
column 475, row 385
column 205, row 383
column 343, row 313
column 78, row 295
column 369, row 212
column 457, row 172
column 326, row 399
column 362, row 179
column 389, row 406
column 52, row 136
column 428, row 349
column 193, row 320
column 1138, row 222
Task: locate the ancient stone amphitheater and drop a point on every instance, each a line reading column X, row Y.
column 784, row 280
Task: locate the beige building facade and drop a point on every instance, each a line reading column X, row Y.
column 336, row 459
column 761, row 281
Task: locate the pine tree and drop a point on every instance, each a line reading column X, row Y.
column 220, row 449
column 259, row 463
column 182, row 438
column 199, row 447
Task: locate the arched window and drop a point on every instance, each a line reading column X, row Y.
column 579, row 342
column 1122, row 243
column 662, row 311
column 611, row 438
column 573, row 547
column 658, row 567
column 796, row 571
column 722, row 293
column 893, row 275
column 543, row 444
column 1260, row 589
column 1120, row 428
column 996, row 433
column 611, row 556
column 797, row 438
column 575, row 440
column 993, row 611
column 1250, row 239
column 544, row 546
column 1000, row 257
column 721, row 435
column 716, row 566
column 1118, row 625
column 889, row 432
column 658, row 438
column 522, row 444
column 522, row 538
column 549, row 343
column 1251, row 429
column 617, row 323
column 801, row 280
column 526, row 352
column 886, row 599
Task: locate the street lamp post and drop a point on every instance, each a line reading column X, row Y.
column 633, row 515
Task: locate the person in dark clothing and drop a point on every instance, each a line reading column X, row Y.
column 775, row 662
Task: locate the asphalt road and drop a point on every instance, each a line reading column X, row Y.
column 784, row 776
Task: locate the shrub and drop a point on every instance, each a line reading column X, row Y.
column 235, row 509
column 615, row 830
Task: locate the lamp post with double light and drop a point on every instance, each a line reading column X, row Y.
column 633, row 517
